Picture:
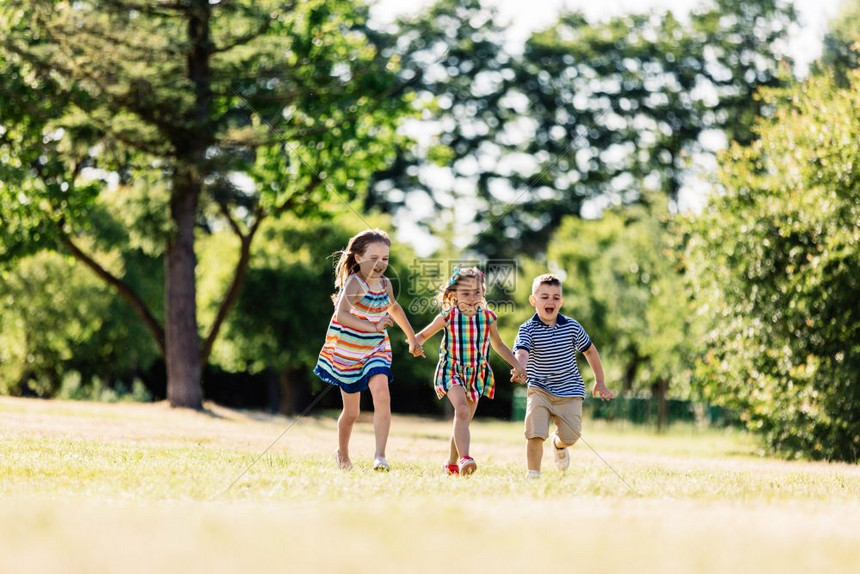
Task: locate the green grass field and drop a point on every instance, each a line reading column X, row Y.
column 92, row 488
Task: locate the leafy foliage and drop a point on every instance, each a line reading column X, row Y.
column 214, row 115
column 612, row 110
column 625, row 287
column 621, row 108
column 59, row 323
column 773, row 264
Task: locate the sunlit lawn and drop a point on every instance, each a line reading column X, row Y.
column 90, row 487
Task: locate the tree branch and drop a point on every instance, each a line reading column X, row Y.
column 232, row 294
column 234, row 225
column 163, row 9
column 242, row 265
column 110, row 40
column 119, row 285
column 242, row 40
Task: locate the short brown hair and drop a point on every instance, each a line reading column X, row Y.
column 545, row 279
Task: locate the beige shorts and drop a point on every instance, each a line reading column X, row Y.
column 565, row 412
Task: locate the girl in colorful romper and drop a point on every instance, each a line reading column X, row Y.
column 463, row 373
column 356, row 355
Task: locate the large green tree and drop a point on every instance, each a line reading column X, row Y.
column 202, row 115
column 773, row 264
column 458, row 71
column 607, row 110
column 622, row 108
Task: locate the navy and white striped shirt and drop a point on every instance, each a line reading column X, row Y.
column 552, row 355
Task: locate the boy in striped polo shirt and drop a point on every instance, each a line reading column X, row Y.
column 547, row 343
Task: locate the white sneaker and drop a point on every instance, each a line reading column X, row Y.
column 379, row 463
column 562, row 456
column 467, row 465
column 533, row 474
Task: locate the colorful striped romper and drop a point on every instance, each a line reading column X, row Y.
column 350, row 357
column 464, row 353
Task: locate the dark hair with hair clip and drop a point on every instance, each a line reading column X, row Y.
column 446, row 293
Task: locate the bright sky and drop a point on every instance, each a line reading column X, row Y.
column 526, row 16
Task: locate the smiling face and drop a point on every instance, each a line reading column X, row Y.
column 468, row 295
column 547, row 301
column 374, row 261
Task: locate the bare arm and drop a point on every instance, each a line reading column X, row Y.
column 600, row 389
column 504, row 352
column 436, row 325
column 523, row 357
column 399, row 315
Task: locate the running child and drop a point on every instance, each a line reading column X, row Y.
column 463, row 373
column 356, row 355
column 547, row 344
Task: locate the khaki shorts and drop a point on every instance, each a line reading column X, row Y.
column 565, row 412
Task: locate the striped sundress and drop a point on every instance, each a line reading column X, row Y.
column 464, row 353
column 350, row 357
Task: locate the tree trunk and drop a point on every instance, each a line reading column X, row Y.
column 287, row 398
column 182, row 340
column 662, row 405
column 190, row 140
column 630, row 374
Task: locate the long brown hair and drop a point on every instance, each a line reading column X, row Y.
column 446, row 293
column 358, row 244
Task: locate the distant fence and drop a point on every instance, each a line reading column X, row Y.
column 638, row 410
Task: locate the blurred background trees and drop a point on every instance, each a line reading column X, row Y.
column 773, row 262
column 182, row 100
column 583, row 151
column 590, row 111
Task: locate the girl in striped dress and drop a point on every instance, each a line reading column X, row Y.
column 463, row 373
column 356, row 355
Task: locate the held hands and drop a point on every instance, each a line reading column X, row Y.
column 415, row 347
column 518, row 375
column 601, row 391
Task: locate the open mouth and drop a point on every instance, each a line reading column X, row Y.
column 549, row 310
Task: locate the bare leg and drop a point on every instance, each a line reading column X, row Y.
column 381, row 412
column 453, row 454
column 351, row 407
column 534, row 453
column 463, row 413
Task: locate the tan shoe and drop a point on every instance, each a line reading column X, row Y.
column 562, row 456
